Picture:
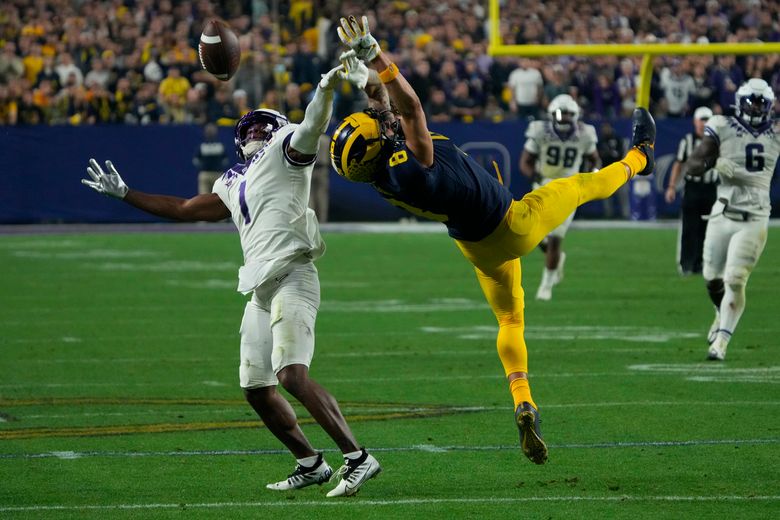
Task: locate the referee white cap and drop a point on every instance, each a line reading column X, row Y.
column 702, row 113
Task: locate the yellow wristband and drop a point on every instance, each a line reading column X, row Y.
column 389, row 74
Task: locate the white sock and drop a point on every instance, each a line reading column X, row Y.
column 548, row 277
column 308, row 462
column 353, row 455
column 732, row 307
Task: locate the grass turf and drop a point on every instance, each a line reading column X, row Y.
column 119, row 397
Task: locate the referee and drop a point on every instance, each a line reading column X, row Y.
column 698, row 197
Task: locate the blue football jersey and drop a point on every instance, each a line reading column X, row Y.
column 455, row 190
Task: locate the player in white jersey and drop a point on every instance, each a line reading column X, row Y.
column 267, row 197
column 744, row 149
column 555, row 149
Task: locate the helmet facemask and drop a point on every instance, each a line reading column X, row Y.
column 564, row 113
column 255, row 130
column 755, row 102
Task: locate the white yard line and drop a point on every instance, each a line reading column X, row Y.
column 356, row 503
column 427, row 448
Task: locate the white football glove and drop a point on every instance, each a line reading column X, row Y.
column 355, row 71
column 110, row 183
column 725, row 167
column 359, row 39
column 331, row 78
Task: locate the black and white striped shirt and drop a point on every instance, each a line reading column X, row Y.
column 684, row 150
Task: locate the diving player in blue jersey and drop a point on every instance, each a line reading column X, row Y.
column 428, row 175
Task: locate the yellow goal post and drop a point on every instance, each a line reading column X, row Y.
column 647, row 50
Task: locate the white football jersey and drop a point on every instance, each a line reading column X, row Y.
column 755, row 151
column 268, row 199
column 559, row 156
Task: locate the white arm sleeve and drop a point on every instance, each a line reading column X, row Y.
column 306, row 137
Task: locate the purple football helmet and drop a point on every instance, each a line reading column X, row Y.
column 263, row 122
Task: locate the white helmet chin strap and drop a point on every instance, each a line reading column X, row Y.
column 252, row 147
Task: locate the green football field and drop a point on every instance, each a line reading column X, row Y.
column 119, row 389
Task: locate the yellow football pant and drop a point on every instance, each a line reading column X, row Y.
column 496, row 258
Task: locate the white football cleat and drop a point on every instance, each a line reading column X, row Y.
column 713, row 332
column 717, row 350
column 304, row 476
column 544, row 293
column 355, row 473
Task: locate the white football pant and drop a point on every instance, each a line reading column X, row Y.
column 731, row 250
column 278, row 326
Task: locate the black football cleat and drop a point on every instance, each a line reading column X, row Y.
column 527, row 419
column 643, row 137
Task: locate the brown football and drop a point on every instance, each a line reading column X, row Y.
column 219, row 50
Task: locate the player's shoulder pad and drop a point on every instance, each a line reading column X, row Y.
column 715, row 126
column 535, row 129
column 590, row 132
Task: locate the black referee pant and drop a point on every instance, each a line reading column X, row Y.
column 697, row 202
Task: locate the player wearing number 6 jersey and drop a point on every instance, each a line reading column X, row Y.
column 267, row 197
column 743, row 149
column 430, row 176
column 555, row 149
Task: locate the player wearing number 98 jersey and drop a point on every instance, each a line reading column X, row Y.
column 744, row 150
column 555, row 149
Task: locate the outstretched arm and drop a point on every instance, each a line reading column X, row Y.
column 304, row 142
column 201, row 207
column 405, row 100
column 703, row 157
column 207, row 207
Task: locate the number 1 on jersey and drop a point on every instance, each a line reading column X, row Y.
column 242, row 202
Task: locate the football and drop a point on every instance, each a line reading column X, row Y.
column 219, row 50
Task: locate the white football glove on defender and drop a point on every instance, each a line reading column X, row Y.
column 355, row 71
column 351, row 69
column 110, row 183
column 725, row 167
column 359, row 39
column 331, row 78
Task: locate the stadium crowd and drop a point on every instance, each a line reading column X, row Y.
column 135, row 61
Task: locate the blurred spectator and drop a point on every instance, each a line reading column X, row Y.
column 292, row 104
column 67, row 71
column 678, row 87
column 211, row 159
column 221, row 109
column 607, row 102
column 98, row 74
column 11, row 65
column 96, row 43
column 9, row 108
column 241, row 101
column 173, row 95
column 462, row 105
column 556, row 82
column 611, row 150
column 146, row 110
column 526, row 84
column 438, row 108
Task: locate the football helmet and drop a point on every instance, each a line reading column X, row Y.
column 754, row 102
column 564, row 113
column 264, row 122
column 360, row 145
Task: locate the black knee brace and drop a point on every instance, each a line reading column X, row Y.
column 716, row 290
